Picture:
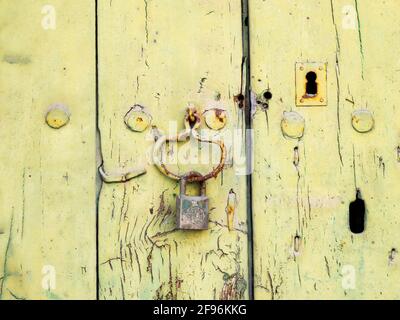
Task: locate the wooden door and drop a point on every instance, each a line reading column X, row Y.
column 303, row 245
column 90, row 85
column 164, row 56
column 47, row 193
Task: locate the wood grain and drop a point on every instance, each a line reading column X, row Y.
column 165, row 55
column 47, row 191
column 310, row 197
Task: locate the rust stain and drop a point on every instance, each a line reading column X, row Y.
column 192, row 117
column 215, row 118
column 220, row 114
column 239, row 99
column 230, row 209
column 234, row 287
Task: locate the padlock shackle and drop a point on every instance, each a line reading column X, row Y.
column 183, row 181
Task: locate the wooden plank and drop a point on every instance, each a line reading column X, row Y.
column 47, row 194
column 164, row 55
column 311, row 199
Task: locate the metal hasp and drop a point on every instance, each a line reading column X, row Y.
column 192, row 211
column 311, row 84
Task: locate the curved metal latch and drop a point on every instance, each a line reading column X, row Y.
column 119, row 177
column 137, row 119
column 192, row 122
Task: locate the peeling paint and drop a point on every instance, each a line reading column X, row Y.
column 234, row 287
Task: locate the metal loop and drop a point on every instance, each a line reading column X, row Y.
column 191, row 176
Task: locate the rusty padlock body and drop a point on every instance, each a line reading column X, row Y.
column 192, row 211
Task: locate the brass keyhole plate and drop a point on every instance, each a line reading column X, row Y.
column 303, row 98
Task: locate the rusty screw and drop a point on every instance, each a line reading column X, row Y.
column 192, row 118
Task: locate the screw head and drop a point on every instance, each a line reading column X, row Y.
column 138, row 118
column 57, row 116
column 215, row 118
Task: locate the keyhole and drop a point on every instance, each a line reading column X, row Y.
column 311, row 85
column 357, row 214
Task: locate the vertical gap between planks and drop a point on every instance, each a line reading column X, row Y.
column 98, row 150
column 249, row 141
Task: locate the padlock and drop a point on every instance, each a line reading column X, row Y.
column 192, row 211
